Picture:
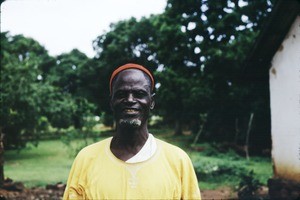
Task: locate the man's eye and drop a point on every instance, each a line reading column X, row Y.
column 140, row 94
column 120, row 94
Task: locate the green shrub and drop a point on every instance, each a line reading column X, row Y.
column 218, row 171
column 248, row 185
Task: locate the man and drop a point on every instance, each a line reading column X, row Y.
column 132, row 164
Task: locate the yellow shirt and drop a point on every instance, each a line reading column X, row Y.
column 97, row 174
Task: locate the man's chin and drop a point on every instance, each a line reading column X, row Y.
column 130, row 123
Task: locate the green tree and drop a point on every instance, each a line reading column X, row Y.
column 208, row 41
column 20, row 91
column 196, row 49
column 71, row 74
column 37, row 91
column 21, row 87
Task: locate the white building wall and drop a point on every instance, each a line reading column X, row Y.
column 285, row 106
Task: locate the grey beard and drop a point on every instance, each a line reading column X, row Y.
column 130, row 123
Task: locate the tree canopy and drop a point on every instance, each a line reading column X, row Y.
column 33, row 96
column 196, row 50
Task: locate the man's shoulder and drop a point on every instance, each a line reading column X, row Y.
column 92, row 149
column 171, row 149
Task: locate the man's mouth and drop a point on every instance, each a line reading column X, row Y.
column 130, row 111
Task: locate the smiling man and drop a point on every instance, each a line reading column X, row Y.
column 132, row 164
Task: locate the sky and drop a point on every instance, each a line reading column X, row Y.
column 62, row 25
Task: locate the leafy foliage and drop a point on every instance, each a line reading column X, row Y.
column 76, row 139
column 31, row 97
column 248, row 185
column 215, row 168
column 21, row 91
column 196, row 50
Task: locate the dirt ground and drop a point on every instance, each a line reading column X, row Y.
column 31, row 194
column 57, row 192
column 222, row 193
column 16, row 190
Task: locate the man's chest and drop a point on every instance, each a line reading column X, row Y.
column 133, row 181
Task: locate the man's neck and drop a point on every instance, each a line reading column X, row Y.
column 128, row 141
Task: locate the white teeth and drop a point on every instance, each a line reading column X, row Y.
column 129, row 110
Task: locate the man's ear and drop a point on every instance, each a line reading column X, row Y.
column 152, row 101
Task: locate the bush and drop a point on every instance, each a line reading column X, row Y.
column 76, row 139
column 208, row 171
column 248, row 185
column 215, row 169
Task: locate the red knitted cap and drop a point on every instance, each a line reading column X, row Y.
column 130, row 66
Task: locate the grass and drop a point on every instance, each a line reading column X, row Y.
column 48, row 163
column 225, row 171
column 38, row 166
column 216, row 169
column 51, row 161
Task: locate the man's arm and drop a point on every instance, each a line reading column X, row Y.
column 190, row 187
column 75, row 186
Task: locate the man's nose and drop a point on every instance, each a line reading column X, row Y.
column 130, row 98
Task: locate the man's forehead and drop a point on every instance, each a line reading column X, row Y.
column 131, row 79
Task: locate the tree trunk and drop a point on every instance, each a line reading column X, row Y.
column 247, row 136
column 237, row 130
column 178, row 127
column 198, row 134
column 1, row 158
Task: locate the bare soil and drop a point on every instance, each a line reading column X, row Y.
column 221, row 193
column 57, row 193
column 16, row 190
column 31, row 194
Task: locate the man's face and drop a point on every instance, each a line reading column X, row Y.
column 131, row 98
